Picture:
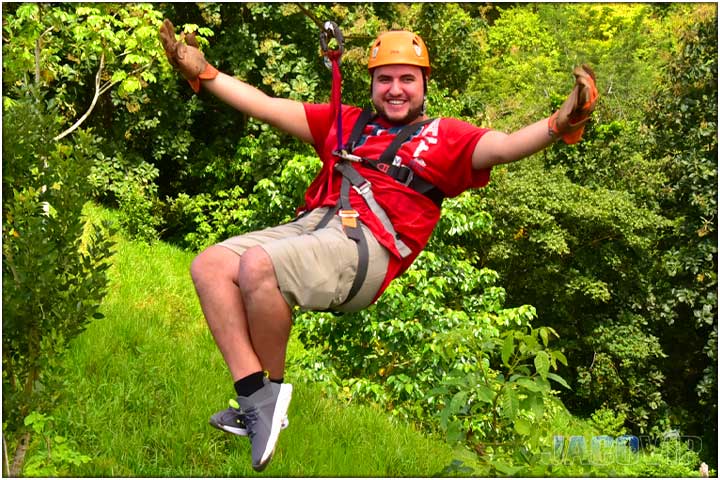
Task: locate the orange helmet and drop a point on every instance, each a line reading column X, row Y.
column 399, row 47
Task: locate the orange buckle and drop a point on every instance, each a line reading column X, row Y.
column 348, row 218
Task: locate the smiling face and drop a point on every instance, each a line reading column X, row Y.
column 398, row 93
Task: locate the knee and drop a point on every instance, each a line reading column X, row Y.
column 255, row 271
column 212, row 264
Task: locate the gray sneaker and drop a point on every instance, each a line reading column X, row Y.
column 232, row 420
column 264, row 411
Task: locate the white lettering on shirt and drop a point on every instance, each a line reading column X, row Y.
column 429, row 136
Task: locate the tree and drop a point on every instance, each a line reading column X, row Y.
column 683, row 117
column 610, row 295
column 58, row 61
column 580, row 256
column 117, row 43
column 95, row 62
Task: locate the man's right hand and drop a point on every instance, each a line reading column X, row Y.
column 185, row 56
column 284, row 114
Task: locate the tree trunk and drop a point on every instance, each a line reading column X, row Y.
column 19, row 459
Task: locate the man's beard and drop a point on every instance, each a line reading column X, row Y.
column 412, row 114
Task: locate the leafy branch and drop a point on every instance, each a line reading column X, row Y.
column 37, row 54
column 99, row 90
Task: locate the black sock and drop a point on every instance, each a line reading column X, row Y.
column 277, row 380
column 248, row 385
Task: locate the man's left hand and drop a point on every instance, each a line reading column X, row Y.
column 569, row 121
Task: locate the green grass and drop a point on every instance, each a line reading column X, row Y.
column 142, row 382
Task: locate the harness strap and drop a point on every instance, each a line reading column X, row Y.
column 332, row 58
column 349, row 217
column 353, row 229
column 365, row 116
column 331, row 31
column 388, row 163
column 327, row 217
column 363, row 187
column 388, row 156
column 406, row 176
column 336, row 92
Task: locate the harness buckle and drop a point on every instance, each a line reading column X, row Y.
column 348, row 213
column 364, row 188
column 349, row 218
column 410, row 175
column 347, row 156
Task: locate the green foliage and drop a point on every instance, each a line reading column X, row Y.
column 138, row 203
column 612, row 156
column 584, row 253
column 507, row 403
column 510, row 63
column 53, row 455
column 624, row 374
column 134, row 190
column 451, row 32
column 609, row 422
column 668, row 458
column 683, row 117
column 621, row 41
column 524, row 43
column 67, row 42
column 54, row 262
column 671, row 458
column 690, row 146
column 231, row 212
column 117, row 45
column 651, row 262
column 443, row 350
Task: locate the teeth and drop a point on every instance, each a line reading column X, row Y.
column 395, row 102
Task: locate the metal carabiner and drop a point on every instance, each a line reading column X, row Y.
column 331, row 30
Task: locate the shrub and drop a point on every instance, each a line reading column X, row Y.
column 52, row 455
column 134, row 190
column 204, row 219
column 54, row 264
column 441, row 348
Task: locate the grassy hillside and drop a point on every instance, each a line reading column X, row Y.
column 142, row 382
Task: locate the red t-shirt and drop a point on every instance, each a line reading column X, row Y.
column 441, row 154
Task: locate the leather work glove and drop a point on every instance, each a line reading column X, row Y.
column 185, row 56
column 568, row 123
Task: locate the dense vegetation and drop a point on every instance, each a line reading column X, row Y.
column 584, row 277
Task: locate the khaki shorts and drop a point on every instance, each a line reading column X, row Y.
column 315, row 269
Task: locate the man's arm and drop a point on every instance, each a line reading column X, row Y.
column 495, row 147
column 284, row 114
column 186, row 57
column 567, row 123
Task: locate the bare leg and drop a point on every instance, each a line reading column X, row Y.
column 269, row 317
column 214, row 273
column 247, row 315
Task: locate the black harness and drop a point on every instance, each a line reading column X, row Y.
column 389, row 164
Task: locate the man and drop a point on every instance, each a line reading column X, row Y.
column 365, row 220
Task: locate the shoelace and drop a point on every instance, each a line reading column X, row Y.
column 251, row 419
